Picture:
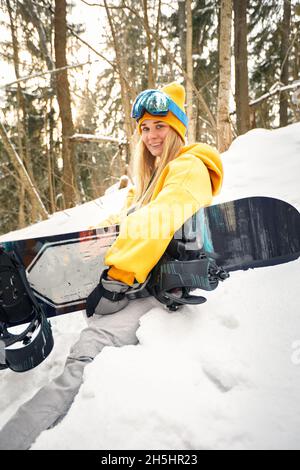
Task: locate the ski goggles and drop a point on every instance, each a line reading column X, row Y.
column 156, row 103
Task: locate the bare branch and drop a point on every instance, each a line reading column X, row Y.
column 29, row 77
column 91, row 4
column 96, row 139
column 276, row 88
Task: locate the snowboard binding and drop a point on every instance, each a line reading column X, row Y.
column 184, row 267
column 23, row 351
column 173, row 280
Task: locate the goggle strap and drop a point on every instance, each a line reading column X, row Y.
column 172, row 107
column 178, row 113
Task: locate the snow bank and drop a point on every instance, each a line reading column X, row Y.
column 75, row 219
column 263, row 163
column 224, row 375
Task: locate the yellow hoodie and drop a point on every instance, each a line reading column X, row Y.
column 186, row 184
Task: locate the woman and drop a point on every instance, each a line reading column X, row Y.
column 172, row 182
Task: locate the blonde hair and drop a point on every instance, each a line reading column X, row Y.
column 144, row 166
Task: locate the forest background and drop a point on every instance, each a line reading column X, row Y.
column 69, row 73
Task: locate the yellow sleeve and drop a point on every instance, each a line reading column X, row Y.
column 145, row 234
column 115, row 219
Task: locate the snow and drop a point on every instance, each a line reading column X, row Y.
column 75, row 219
column 223, row 375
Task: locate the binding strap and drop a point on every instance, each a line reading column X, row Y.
column 23, row 351
column 172, row 276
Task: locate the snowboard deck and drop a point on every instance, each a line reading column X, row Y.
column 246, row 233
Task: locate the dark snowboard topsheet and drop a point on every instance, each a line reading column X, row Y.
column 252, row 232
column 242, row 234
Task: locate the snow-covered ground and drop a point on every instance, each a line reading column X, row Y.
column 224, row 375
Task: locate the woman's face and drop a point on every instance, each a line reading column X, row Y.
column 154, row 133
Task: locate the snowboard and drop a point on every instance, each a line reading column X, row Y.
column 246, row 233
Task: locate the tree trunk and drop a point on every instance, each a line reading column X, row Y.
column 125, row 92
column 182, row 31
column 198, row 93
column 224, row 132
column 21, row 213
column 156, row 49
column 189, row 71
column 49, row 139
column 296, row 48
column 37, row 23
column 285, row 33
column 241, row 66
column 64, row 103
column 23, row 143
column 151, row 83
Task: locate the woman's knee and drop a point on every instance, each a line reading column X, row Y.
column 91, row 341
column 122, row 326
column 116, row 329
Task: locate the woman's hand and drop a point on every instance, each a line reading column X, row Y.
column 107, row 297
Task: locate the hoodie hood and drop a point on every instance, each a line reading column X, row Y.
column 183, row 187
column 211, row 159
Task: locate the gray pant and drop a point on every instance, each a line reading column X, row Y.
column 52, row 402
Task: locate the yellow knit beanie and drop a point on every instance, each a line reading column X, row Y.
column 177, row 93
